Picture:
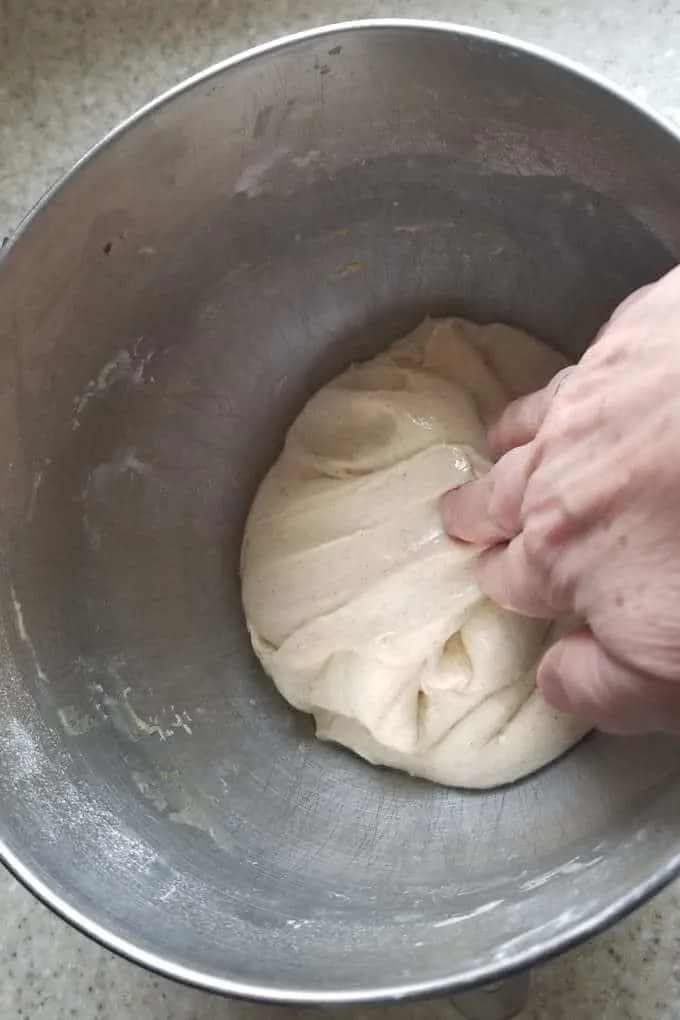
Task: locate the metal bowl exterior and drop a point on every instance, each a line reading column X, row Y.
column 168, row 308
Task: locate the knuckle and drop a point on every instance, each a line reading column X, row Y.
column 508, row 481
column 553, row 569
column 539, row 547
column 557, row 383
column 560, row 422
column 502, row 508
column 529, row 411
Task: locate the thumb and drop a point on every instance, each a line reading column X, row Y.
column 578, row 676
column 488, row 510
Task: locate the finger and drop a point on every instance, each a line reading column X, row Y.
column 577, row 675
column 520, row 422
column 509, row 579
column 628, row 303
column 666, row 283
column 488, row 510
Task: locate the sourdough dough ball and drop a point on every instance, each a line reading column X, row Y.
column 359, row 606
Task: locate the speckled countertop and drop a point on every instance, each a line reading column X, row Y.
column 69, row 70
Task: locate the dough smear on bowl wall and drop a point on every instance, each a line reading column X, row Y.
column 361, row 609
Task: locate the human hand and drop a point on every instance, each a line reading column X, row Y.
column 581, row 514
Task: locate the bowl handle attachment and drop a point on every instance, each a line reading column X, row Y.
column 501, row 1000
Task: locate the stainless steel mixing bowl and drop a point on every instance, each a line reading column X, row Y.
column 165, row 312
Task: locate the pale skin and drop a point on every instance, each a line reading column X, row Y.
column 581, row 514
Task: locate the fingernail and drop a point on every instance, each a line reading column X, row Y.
column 461, row 485
column 553, row 690
column 444, row 502
column 444, row 507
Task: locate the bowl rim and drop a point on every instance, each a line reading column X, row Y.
column 401, row 989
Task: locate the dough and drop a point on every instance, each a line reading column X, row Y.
column 359, row 607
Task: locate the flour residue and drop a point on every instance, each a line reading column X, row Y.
column 35, row 488
column 125, row 366
column 27, row 754
column 162, row 724
column 250, row 181
column 25, row 638
column 73, row 723
column 573, row 867
column 485, row 908
column 70, row 809
column 96, row 489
